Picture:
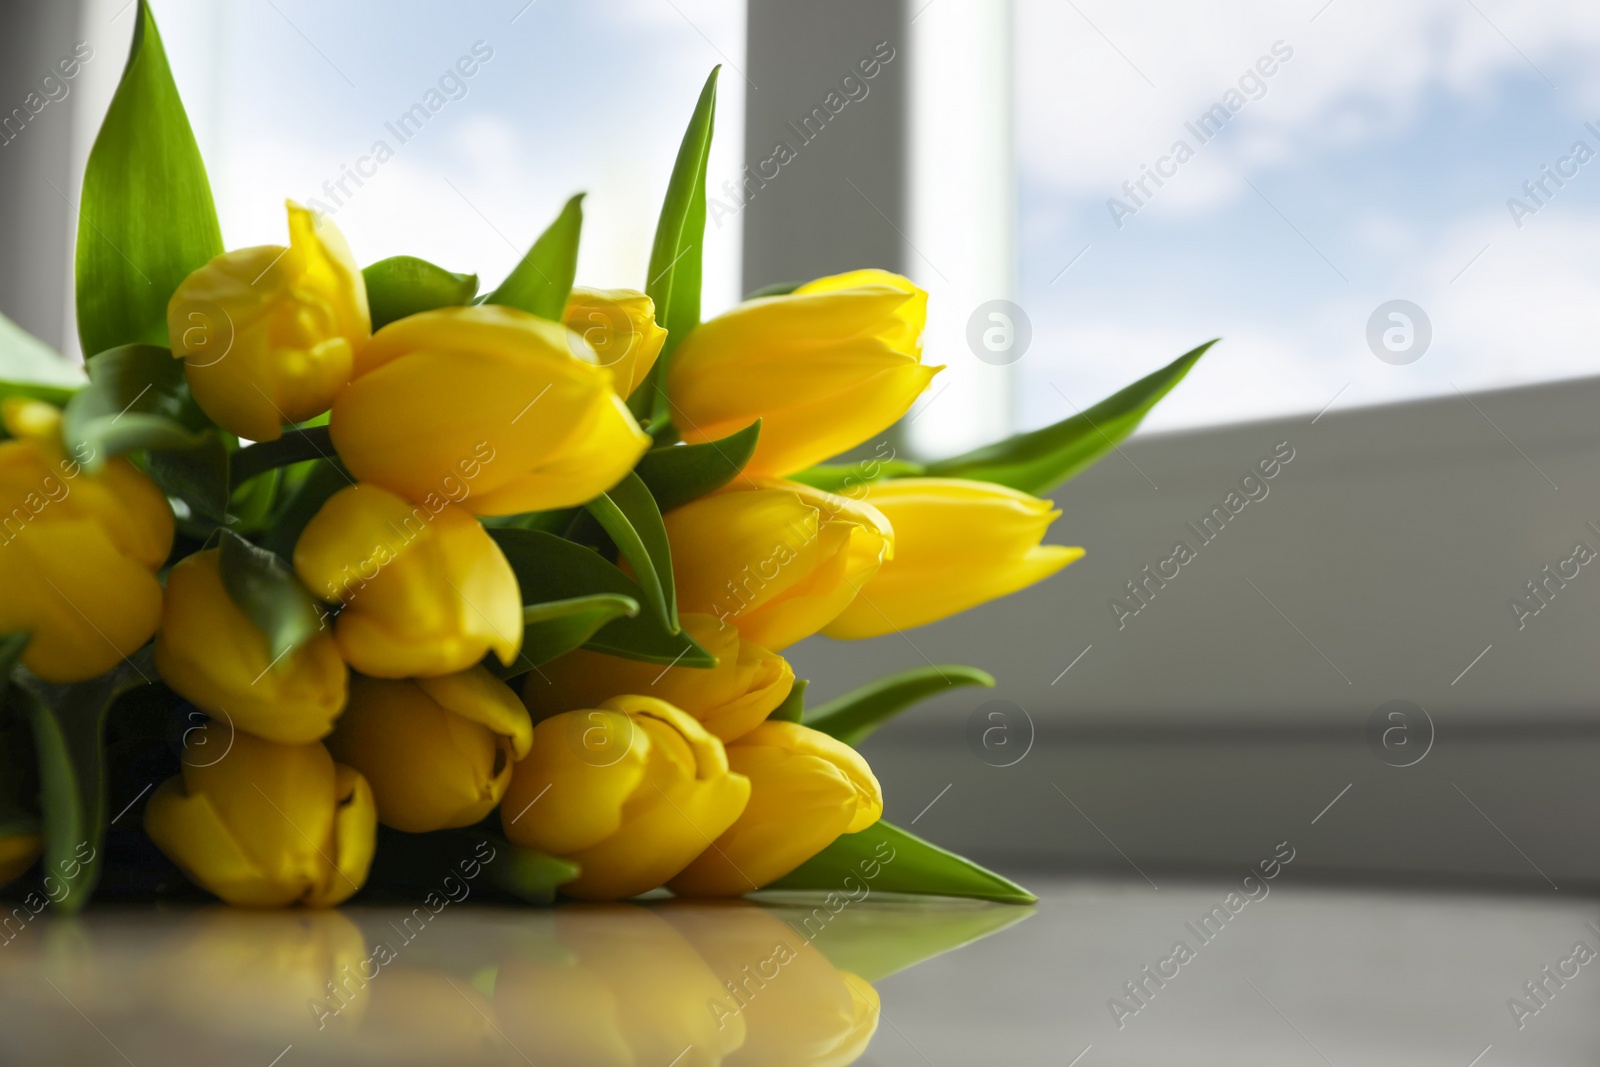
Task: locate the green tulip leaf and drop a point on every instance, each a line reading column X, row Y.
column 68, row 723
column 675, row 257
column 405, row 285
column 136, row 399
column 198, row 476
column 677, row 474
column 628, row 513
column 528, row 874
column 326, row 477
column 11, row 648
column 147, row 219
column 841, row 478
column 265, row 588
column 542, row 281
column 793, row 707
column 552, row 568
column 31, row 368
column 557, row 627
column 903, row 863
column 852, row 717
column 1041, row 460
column 775, row 289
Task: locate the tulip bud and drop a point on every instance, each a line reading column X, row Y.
column 824, row 368
column 17, row 853
column 777, row 562
column 268, row 335
column 806, row 789
column 731, row 699
column 210, row 653
column 957, row 545
column 267, row 825
column 437, row 751
column 620, row 326
column 630, row 791
column 78, row 551
column 426, row 591
column 492, row 408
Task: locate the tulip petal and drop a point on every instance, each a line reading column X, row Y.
column 189, row 830
column 480, row 697
column 569, row 793
column 354, row 840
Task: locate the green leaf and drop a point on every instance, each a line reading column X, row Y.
column 265, row 588
column 874, row 943
column 793, row 707
column 147, row 219
column 198, row 476
column 678, row 474
column 775, row 289
column 405, row 285
column 557, row 627
column 628, row 513
column 528, row 874
column 552, row 568
column 1041, row 460
column 838, row 478
column 904, row 863
column 29, row 367
column 326, row 478
column 541, row 283
column 855, row 715
column 136, row 399
column 68, row 731
column 675, row 258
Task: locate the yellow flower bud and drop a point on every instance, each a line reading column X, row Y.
column 731, row 699
column 488, row 407
column 620, row 325
column 268, row 335
column 824, row 368
column 210, row 653
column 630, row 791
column 267, row 825
column 777, row 562
column 78, row 551
column 437, row 751
column 17, row 853
column 957, row 545
column 426, row 591
column 806, row 789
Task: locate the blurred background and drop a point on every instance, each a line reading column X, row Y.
column 1117, row 184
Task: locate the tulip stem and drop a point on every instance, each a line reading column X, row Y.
column 295, row 446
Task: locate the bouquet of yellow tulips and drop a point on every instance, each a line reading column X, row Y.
column 322, row 573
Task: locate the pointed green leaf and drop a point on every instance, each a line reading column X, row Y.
column 541, row 283
column 840, row 478
column 874, row 943
column 678, row 474
column 552, row 568
column 852, row 717
column 147, row 219
column 794, row 705
column 628, row 513
column 266, row 589
column 29, row 367
column 528, row 874
column 1041, row 460
column 904, row 863
column 675, row 258
column 405, row 285
column 68, row 731
column 557, row 627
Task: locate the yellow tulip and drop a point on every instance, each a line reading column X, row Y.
column 614, row 986
column 957, row 545
column 211, row 654
column 268, row 335
column 17, row 853
column 487, row 407
column 731, row 699
column 620, row 326
column 436, row 751
column 636, row 789
column 267, row 825
column 78, row 551
column 824, row 368
column 806, row 789
column 426, row 591
column 797, row 1007
column 779, row 561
